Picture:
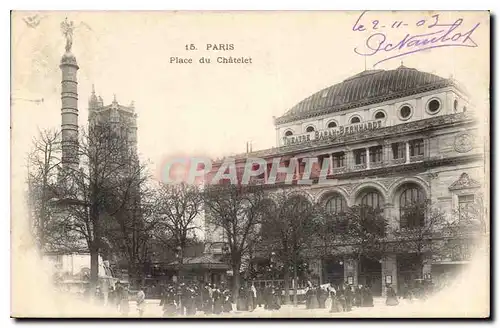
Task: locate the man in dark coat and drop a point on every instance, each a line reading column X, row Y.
column 267, row 297
column 349, row 295
column 275, row 302
column 189, row 301
column 168, row 302
column 322, row 297
column 358, row 296
column 242, row 302
column 207, row 299
column 217, row 300
column 367, row 296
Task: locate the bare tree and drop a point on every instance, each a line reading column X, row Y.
column 422, row 231
column 89, row 194
column 235, row 209
column 286, row 229
column 128, row 232
column 331, row 233
column 43, row 164
column 367, row 229
column 178, row 206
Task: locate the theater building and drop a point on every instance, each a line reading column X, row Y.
column 392, row 137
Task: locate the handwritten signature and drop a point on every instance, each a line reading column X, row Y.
column 439, row 35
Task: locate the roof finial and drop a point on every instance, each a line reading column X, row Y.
column 114, row 98
column 402, row 64
column 93, row 89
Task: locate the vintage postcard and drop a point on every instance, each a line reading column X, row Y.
column 303, row 164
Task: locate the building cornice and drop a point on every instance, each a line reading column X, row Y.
column 421, row 166
column 421, row 126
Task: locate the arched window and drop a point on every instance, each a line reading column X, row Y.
column 355, row 119
column 336, row 204
column 310, row 129
column 379, row 115
column 372, row 199
column 332, row 125
column 412, row 207
column 288, row 133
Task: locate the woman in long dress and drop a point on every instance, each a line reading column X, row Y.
column 392, row 298
column 334, row 307
column 314, row 298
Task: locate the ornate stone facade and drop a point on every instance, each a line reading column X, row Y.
column 433, row 153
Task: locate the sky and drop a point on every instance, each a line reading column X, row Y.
column 214, row 109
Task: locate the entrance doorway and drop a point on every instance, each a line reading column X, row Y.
column 333, row 271
column 409, row 270
column 370, row 274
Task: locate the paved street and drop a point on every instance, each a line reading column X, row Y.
column 379, row 310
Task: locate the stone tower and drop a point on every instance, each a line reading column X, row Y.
column 69, row 100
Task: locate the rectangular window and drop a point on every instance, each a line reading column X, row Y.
column 360, row 156
column 338, row 159
column 417, row 147
column 464, row 204
column 376, row 154
column 398, row 150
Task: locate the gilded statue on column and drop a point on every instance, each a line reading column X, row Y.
column 67, row 29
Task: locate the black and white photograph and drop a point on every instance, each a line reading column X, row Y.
column 250, row 164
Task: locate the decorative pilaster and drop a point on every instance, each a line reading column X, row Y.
column 351, row 270
column 349, row 163
column 407, row 143
column 387, row 153
column 367, row 150
column 389, row 273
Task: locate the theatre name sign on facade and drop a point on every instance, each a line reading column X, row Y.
column 332, row 133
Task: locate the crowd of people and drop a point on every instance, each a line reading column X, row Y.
column 343, row 297
column 192, row 297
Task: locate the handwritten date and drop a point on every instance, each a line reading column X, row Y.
column 434, row 35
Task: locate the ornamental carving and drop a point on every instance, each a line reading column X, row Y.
column 349, row 188
column 464, row 182
column 387, row 183
column 463, row 142
column 433, row 175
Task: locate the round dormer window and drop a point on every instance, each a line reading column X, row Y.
column 455, row 105
column 405, row 112
column 433, row 106
column 355, row 119
column 310, row 129
column 380, row 115
column 332, row 125
column 288, row 133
